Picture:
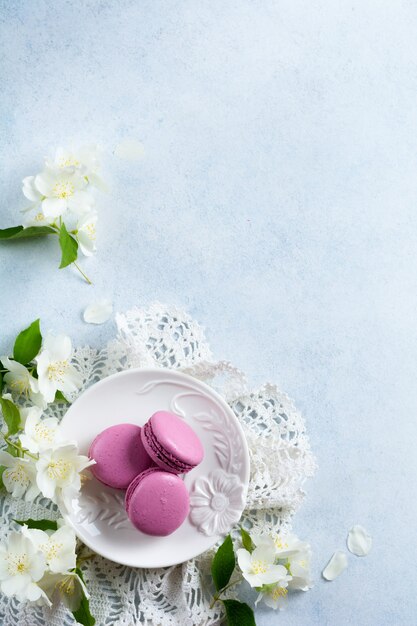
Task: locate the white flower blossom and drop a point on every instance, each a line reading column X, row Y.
column 21, row 382
column 61, row 195
column 57, row 547
column 85, row 159
column 67, row 588
column 293, row 553
column 55, row 371
column 29, row 411
column 58, row 473
column 21, row 567
column 62, row 190
column 39, row 434
column 259, row 567
column 299, row 568
column 274, row 596
column 30, row 191
column 285, row 544
column 19, row 477
column 86, row 233
column 33, row 216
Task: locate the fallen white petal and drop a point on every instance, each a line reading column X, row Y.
column 130, row 150
column 358, row 541
column 337, row 564
column 98, row 312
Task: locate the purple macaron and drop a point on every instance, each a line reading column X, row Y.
column 119, row 455
column 157, row 502
column 171, row 443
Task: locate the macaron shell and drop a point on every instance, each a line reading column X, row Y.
column 157, row 503
column 176, row 440
column 159, row 455
column 119, row 455
column 135, row 482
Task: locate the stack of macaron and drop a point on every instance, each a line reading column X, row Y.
column 147, row 462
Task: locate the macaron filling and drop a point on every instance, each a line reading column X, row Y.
column 160, row 454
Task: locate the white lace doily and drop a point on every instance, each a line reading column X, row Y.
column 281, row 460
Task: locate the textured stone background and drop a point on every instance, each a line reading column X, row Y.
column 276, row 201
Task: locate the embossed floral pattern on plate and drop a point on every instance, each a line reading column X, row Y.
column 216, row 502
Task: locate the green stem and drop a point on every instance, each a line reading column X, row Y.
column 19, row 448
column 87, row 557
column 82, row 273
column 217, row 595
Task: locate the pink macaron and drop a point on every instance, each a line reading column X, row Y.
column 157, row 502
column 171, row 443
column 119, row 455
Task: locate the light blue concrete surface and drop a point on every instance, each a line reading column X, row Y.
column 277, row 202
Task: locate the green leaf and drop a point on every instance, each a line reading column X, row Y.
column 69, row 247
column 11, row 415
column 1, row 380
column 12, row 450
column 223, row 564
column 2, row 468
column 238, row 613
column 28, row 343
column 82, row 615
column 39, row 524
column 59, row 397
column 18, row 232
column 10, row 233
column 246, row 540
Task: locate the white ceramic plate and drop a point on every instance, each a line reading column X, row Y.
column 218, row 486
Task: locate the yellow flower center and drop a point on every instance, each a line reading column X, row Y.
column 59, row 470
column 43, row 433
column 279, row 592
column 280, row 544
column 57, row 370
column 20, row 385
column 69, row 161
column 51, row 549
column 91, row 231
column 63, row 189
column 67, row 585
column 17, row 564
column 39, row 217
column 259, row 567
column 17, row 474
